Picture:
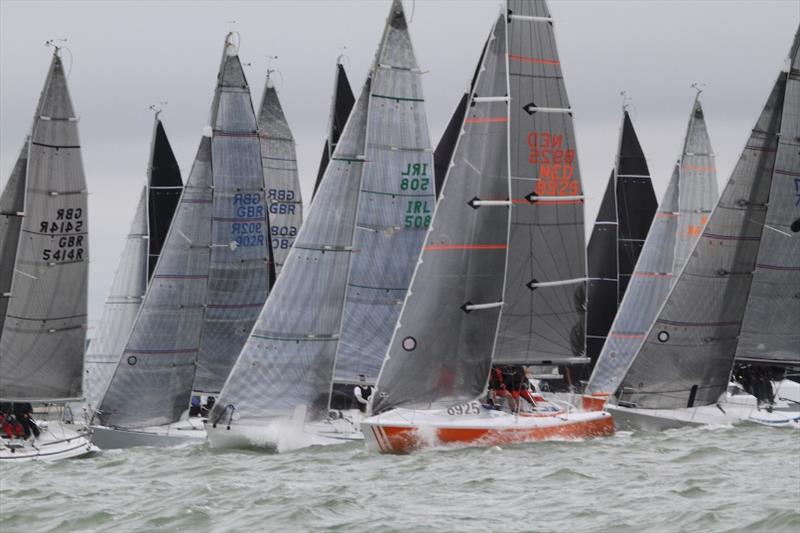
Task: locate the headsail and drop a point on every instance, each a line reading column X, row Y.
column 341, row 105
column 12, row 209
column 545, row 300
column 152, row 383
column 44, row 332
column 120, row 309
column 680, row 218
column 443, row 154
column 618, row 236
column 396, row 204
column 289, row 356
column 770, row 330
column 687, row 355
column 164, row 191
column 281, row 180
column 441, row 349
column 238, row 277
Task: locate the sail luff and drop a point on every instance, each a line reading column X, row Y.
column 44, row 333
column 281, row 179
column 441, row 350
column 688, row 351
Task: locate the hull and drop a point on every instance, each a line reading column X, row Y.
column 285, row 434
column 724, row 413
column 179, row 434
column 403, row 430
column 57, row 441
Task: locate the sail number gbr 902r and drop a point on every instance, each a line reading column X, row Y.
column 66, row 235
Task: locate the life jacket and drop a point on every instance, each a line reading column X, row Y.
column 366, row 391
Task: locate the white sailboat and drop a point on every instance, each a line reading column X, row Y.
column 737, row 295
column 502, row 276
column 328, row 321
column 44, row 280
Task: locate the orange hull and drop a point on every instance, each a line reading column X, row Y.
column 405, row 439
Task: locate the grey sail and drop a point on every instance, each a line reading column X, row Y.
column 152, row 383
column 120, row 309
column 44, row 332
column 396, row 203
column 688, row 352
column 238, row 277
column 681, row 216
column 282, row 182
column 441, row 350
column 341, row 105
column 289, row 356
column 12, row 209
column 543, row 311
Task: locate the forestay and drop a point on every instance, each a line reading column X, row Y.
column 238, row 277
column 289, row 356
column 396, row 203
column 341, row 105
column 120, row 309
column 688, row 352
column 678, row 222
column 771, row 326
column 44, row 332
column 281, row 180
column 152, row 384
column 618, row 236
column 440, row 353
column 545, row 299
column 12, row 209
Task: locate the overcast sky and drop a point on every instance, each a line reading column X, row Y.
column 129, row 55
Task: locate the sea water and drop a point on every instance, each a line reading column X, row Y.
column 744, row 478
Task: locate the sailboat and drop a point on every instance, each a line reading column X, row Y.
column 737, row 293
column 281, row 180
column 341, row 104
column 502, row 276
column 329, row 318
column 683, row 212
column 44, row 278
column 211, row 275
column 157, row 203
column 624, row 218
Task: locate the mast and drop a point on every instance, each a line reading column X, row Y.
column 44, row 333
column 441, row 350
column 238, row 277
column 341, row 105
column 281, row 180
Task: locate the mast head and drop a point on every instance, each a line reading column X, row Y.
column 232, row 42
column 157, row 108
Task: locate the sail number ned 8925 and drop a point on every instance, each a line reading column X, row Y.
column 471, row 408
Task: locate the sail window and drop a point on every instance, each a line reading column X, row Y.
column 132, row 360
column 409, row 344
column 663, row 336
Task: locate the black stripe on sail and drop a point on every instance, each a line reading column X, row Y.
column 164, row 172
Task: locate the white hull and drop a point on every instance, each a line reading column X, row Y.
column 724, row 413
column 57, row 441
column 178, row 434
column 286, row 434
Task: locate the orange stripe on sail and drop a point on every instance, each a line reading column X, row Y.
column 439, row 247
column 486, row 120
column 524, row 59
column 698, row 169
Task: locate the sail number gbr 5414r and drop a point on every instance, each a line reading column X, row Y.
column 67, row 236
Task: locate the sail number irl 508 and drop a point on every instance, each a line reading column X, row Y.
column 415, row 179
column 66, row 234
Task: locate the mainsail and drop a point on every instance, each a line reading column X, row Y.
column 163, row 192
column 545, row 298
column 289, row 356
column 619, row 232
column 12, row 209
column 443, row 154
column 281, row 180
column 441, row 349
column 238, row 277
column 341, row 104
column 687, row 354
column 680, row 218
column 143, row 245
column 771, row 326
column 396, row 204
column 44, row 331
column 153, row 380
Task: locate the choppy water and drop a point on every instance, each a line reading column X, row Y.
column 707, row 479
